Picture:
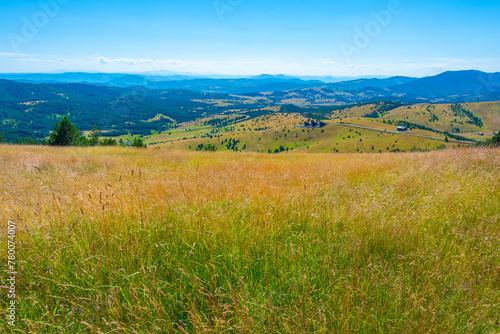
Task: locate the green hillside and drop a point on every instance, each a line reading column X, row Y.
column 281, row 133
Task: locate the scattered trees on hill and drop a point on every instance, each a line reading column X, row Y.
column 207, row 147
column 278, row 150
column 231, row 145
column 380, row 109
column 460, row 111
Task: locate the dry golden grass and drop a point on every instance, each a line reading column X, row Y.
column 158, row 241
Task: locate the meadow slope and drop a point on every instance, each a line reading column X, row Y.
column 270, row 132
column 159, row 241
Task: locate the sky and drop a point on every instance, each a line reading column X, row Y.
column 250, row 37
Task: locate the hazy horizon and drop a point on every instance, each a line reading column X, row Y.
column 162, row 73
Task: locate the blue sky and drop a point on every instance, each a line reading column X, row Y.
column 243, row 37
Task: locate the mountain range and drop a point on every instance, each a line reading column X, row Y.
column 449, row 86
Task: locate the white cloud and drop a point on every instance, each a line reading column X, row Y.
column 10, row 54
column 46, row 61
column 129, row 61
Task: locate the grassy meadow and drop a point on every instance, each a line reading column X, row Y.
column 441, row 117
column 270, row 132
column 122, row 240
column 438, row 116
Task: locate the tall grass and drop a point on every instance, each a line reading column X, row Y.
column 156, row 241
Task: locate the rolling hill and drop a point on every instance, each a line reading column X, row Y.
column 282, row 132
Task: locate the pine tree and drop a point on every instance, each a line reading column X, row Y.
column 64, row 134
column 94, row 136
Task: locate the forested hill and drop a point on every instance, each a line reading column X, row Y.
column 30, row 110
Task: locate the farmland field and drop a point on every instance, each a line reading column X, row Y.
column 163, row 241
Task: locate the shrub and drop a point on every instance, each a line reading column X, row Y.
column 495, row 141
column 108, row 142
column 139, row 143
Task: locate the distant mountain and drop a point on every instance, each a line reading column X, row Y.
column 236, row 86
column 374, row 82
column 259, row 83
column 449, row 86
column 129, row 80
column 459, row 86
column 70, row 77
column 271, row 76
column 255, row 84
column 463, row 86
column 332, row 79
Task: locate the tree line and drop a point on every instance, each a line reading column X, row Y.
column 65, row 133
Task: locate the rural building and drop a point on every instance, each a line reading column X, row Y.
column 481, row 134
column 402, row 128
